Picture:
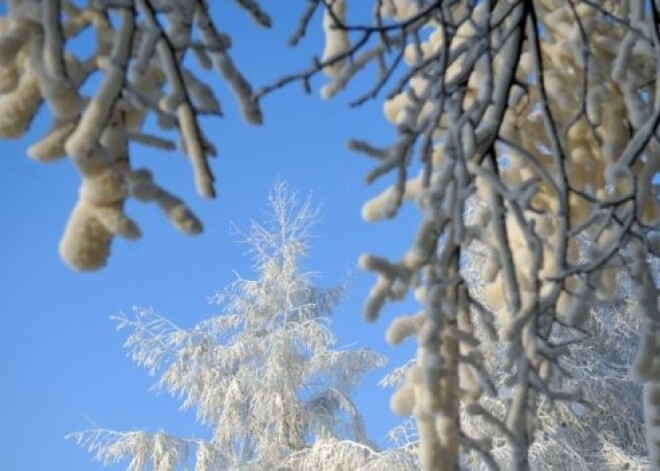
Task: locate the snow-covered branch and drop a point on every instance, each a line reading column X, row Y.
column 543, row 116
column 140, row 57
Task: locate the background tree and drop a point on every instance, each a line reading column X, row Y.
column 263, row 375
column 601, row 431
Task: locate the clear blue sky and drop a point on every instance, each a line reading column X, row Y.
column 63, row 365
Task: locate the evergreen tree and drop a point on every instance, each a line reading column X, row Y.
column 263, row 375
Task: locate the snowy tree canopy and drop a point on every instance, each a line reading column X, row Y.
column 544, row 113
column 264, row 376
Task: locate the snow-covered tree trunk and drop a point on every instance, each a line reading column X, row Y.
column 652, row 419
column 647, row 363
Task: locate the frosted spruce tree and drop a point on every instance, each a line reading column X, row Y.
column 263, row 375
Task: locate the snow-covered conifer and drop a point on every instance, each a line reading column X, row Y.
column 264, row 375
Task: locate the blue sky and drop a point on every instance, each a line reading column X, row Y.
column 64, row 368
